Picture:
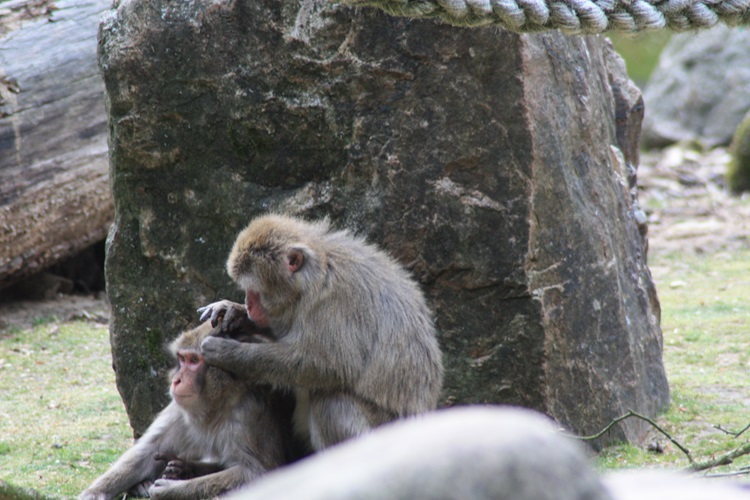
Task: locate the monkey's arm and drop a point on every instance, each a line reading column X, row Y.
column 209, row 486
column 281, row 363
column 138, row 464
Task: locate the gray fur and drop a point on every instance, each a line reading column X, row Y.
column 232, row 428
column 353, row 328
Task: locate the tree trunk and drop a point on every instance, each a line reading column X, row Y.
column 55, row 198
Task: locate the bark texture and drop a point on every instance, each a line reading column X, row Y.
column 489, row 163
column 55, row 198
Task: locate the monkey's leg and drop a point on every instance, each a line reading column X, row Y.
column 209, row 486
column 335, row 417
column 135, row 470
column 137, row 467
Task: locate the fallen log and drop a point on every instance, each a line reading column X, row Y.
column 55, row 198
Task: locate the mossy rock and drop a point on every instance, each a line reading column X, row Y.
column 10, row 492
column 738, row 171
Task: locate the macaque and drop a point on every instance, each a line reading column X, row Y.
column 355, row 338
column 217, row 434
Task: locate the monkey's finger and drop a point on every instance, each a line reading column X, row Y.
column 217, row 316
column 233, row 319
column 206, row 312
column 213, row 312
column 173, row 471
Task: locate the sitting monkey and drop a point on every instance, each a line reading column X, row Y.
column 221, row 429
column 355, row 338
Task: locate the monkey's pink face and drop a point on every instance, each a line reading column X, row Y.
column 255, row 310
column 272, row 276
column 185, row 385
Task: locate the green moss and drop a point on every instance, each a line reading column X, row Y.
column 738, row 171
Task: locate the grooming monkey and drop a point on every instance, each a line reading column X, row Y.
column 218, row 433
column 355, row 338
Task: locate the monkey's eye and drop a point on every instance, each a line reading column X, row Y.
column 192, row 361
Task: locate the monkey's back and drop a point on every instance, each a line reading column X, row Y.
column 381, row 309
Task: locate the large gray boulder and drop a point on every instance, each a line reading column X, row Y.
column 469, row 454
column 474, row 453
column 701, row 88
column 486, row 162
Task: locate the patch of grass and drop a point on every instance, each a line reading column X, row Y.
column 10, row 492
column 44, row 320
column 705, row 303
column 62, row 422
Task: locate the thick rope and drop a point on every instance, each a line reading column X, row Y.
column 573, row 16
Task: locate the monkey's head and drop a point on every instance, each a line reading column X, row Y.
column 275, row 261
column 196, row 386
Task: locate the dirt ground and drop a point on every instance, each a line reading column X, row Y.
column 681, row 191
column 22, row 314
column 688, row 206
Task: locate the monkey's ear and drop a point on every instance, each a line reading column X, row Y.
column 295, row 258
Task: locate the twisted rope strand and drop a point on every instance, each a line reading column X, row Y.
column 573, row 16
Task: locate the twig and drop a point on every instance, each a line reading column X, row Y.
column 741, row 472
column 731, row 433
column 725, row 459
column 722, row 460
column 656, row 426
column 611, row 424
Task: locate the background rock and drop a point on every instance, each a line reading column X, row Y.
column 701, row 88
column 474, row 453
column 470, row 453
column 484, row 161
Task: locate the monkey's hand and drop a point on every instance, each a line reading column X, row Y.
column 232, row 315
column 161, row 488
column 176, row 468
column 221, row 352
